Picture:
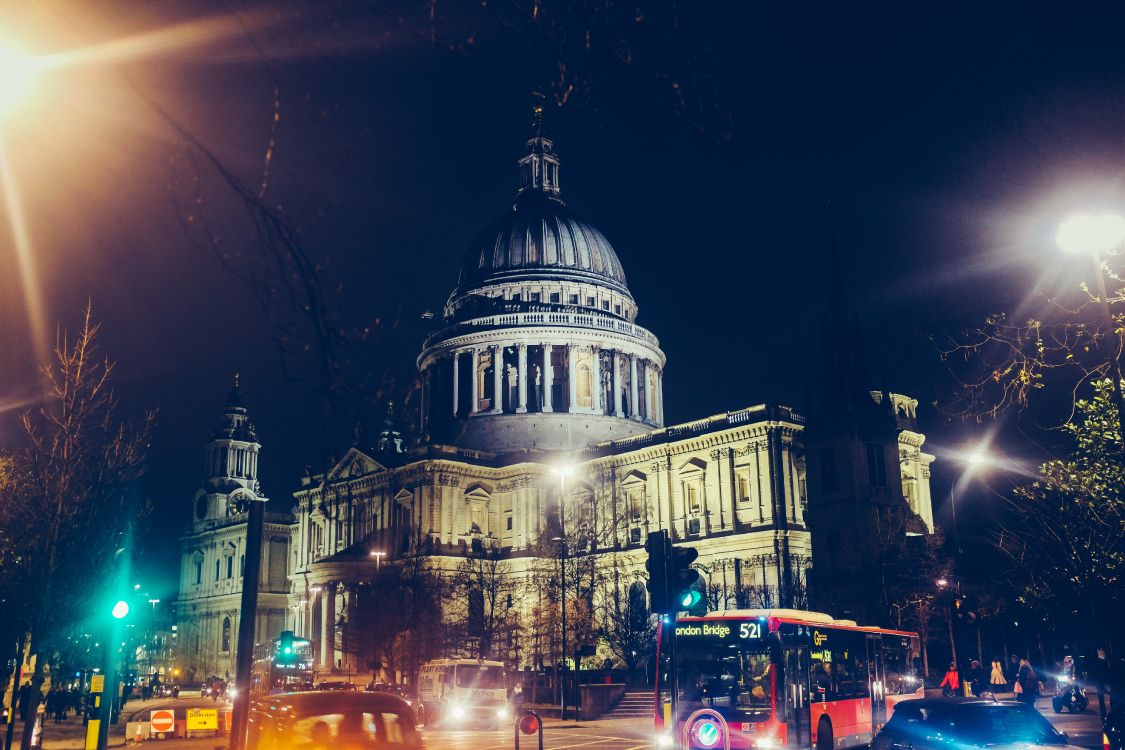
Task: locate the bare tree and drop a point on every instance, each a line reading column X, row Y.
column 486, row 593
column 72, row 487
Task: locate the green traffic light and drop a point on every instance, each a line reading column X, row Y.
column 691, row 598
column 120, row 610
column 287, row 650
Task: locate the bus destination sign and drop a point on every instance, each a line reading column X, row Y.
column 721, row 629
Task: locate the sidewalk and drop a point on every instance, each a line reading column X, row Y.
column 71, row 734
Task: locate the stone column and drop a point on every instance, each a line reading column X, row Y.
column 328, row 625
column 548, row 378
column 475, row 406
column 596, row 376
column 571, row 379
column 456, row 380
column 634, row 412
column 618, row 390
column 521, row 363
column 498, row 378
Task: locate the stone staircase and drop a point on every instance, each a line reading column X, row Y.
column 635, row 704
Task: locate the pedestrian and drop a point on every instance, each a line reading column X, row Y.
column 976, row 677
column 997, row 681
column 1013, row 669
column 951, row 683
column 52, row 703
column 1027, row 683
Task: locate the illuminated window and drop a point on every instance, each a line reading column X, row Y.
column 742, row 485
column 693, row 497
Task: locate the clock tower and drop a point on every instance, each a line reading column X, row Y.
column 212, row 552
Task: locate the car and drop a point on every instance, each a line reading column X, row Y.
column 324, row 720
column 933, row 723
column 341, row 685
column 1113, row 729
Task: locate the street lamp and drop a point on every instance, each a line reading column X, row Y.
column 562, row 471
column 378, row 557
column 17, row 74
column 1095, row 234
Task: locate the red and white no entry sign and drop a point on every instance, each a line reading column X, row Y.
column 163, row 720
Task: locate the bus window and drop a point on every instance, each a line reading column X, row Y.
column 734, row 679
column 898, row 667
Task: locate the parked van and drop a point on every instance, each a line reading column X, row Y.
column 463, row 692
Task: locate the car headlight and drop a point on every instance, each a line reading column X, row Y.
column 664, row 740
column 502, row 713
column 457, row 712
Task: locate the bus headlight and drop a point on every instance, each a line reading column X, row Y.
column 501, row 713
column 457, row 712
column 766, row 743
column 664, row 740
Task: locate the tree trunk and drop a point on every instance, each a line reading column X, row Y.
column 34, row 696
column 952, row 639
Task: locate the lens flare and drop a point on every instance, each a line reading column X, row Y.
column 17, row 76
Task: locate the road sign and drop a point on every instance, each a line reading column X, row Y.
column 200, row 719
column 163, row 720
column 97, row 683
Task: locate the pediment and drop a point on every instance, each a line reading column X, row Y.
column 353, row 465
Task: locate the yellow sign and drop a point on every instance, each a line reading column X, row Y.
column 97, row 683
column 199, row 719
column 819, row 638
column 92, row 734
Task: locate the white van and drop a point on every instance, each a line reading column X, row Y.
column 462, row 692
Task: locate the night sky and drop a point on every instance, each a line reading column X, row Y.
column 936, row 145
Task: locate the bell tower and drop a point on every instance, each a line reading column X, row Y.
column 230, row 459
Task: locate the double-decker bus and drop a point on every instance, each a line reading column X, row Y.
column 283, row 665
column 780, row 678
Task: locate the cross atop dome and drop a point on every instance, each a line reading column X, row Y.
column 539, row 167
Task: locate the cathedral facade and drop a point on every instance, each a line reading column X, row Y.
column 542, row 444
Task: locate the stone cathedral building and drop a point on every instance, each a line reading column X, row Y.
column 537, row 362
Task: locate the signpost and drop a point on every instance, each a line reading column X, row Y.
column 202, row 720
column 162, row 720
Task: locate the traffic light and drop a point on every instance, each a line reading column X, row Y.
column 285, row 653
column 120, row 609
column 657, row 546
column 682, row 579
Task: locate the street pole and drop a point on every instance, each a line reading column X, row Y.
column 562, row 583
column 247, row 620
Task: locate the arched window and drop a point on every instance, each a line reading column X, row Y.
column 226, row 634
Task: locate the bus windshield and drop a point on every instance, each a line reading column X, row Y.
column 479, row 676
column 731, row 677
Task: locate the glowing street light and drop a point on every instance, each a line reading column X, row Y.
column 1091, row 233
column 17, row 75
column 378, row 557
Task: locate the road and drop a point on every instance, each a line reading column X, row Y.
column 637, row 734
column 616, row 734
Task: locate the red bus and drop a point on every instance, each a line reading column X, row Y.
column 780, row 678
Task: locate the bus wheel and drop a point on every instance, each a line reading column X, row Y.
column 824, row 735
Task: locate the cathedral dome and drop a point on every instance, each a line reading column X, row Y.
column 541, row 239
